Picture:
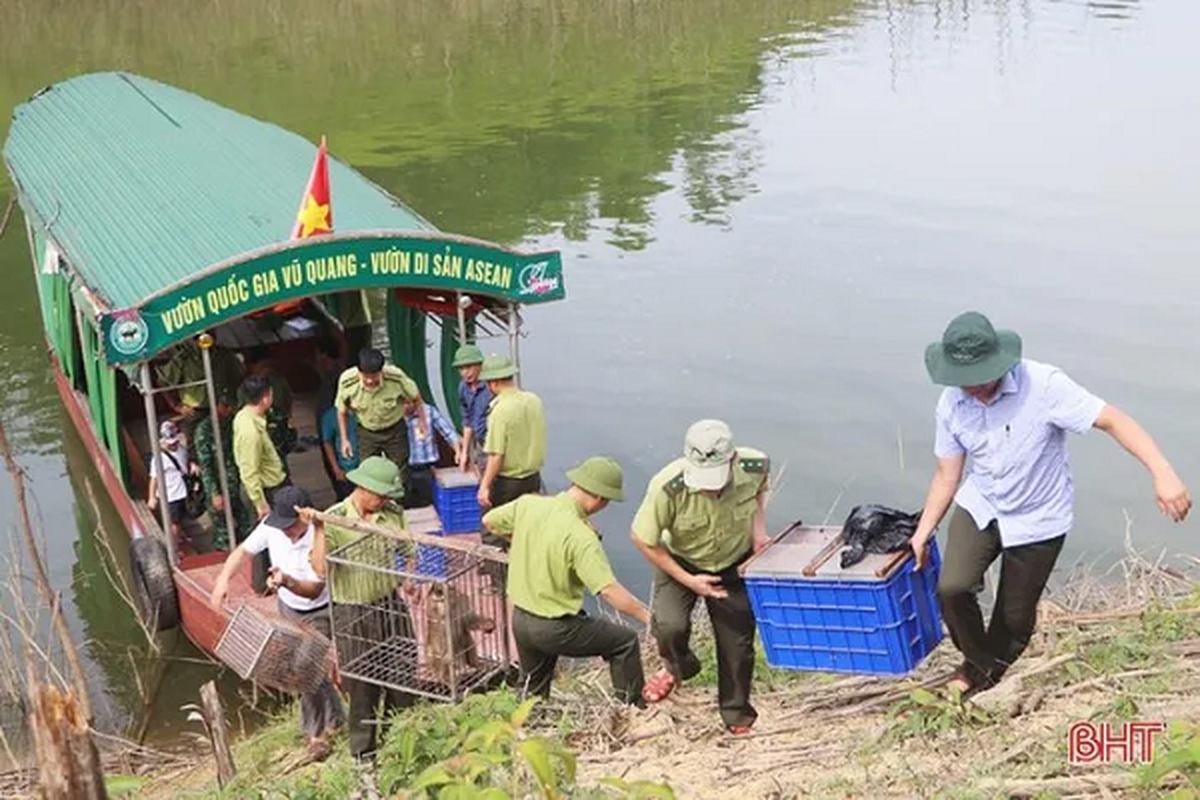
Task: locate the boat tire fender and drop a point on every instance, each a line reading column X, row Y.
column 153, row 583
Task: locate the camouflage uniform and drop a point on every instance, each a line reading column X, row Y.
column 206, row 456
column 279, row 427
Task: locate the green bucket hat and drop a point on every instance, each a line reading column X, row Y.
column 972, row 352
column 600, row 476
column 378, row 474
column 468, row 354
column 497, row 368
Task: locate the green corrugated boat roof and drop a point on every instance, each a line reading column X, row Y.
column 143, row 184
column 176, row 214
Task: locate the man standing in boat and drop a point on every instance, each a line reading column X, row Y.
column 516, row 437
column 1015, row 497
column 702, row 517
column 556, row 554
column 367, row 608
column 515, row 448
column 206, row 457
column 259, row 465
column 375, row 392
column 474, row 399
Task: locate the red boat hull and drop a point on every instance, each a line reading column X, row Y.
column 195, row 574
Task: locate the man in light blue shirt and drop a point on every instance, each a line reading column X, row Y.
column 425, row 424
column 1001, row 454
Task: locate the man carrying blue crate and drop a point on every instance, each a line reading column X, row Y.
column 702, row 517
column 1010, row 416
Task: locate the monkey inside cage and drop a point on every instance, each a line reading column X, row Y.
column 418, row 618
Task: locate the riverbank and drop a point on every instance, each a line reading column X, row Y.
column 1107, row 650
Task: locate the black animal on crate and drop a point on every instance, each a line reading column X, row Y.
column 876, row 529
column 449, row 621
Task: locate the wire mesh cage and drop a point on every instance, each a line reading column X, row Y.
column 418, row 619
column 276, row 652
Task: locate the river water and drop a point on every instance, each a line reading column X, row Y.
column 766, row 210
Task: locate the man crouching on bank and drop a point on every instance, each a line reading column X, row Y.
column 555, row 555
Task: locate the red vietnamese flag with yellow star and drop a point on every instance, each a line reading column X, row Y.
column 316, row 213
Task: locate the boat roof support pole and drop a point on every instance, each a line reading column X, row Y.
column 514, row 338
column 206, row 343
column 156, row 458
column 462, row 318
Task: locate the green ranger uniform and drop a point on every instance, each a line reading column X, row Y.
column 711, row 533
column 260, row 470
column 555, row 555
column 713, row 536
column 380, row 413
column 206, row 457
column 517, row 431
column 366, row 586
column 367, row 609
column 259, row 466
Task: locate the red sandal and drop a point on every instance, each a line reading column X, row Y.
column 738, row 730
column 659, row 687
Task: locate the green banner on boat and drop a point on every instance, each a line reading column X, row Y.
column 322, row 266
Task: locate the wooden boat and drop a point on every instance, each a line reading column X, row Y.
column 156, row 218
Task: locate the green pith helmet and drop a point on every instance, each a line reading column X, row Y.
column 497, row 368
column 600, row 476
column 468, row 354
column 378, row 474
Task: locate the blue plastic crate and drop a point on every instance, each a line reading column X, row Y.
column 432, row 561
column 843, row 622
column 455, row 496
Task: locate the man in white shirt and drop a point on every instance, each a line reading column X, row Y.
column 302, row 595
column 1000, row 443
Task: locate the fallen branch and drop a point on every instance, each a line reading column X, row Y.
column 1081, row 783
column 1103, row 679
column 1016, row 751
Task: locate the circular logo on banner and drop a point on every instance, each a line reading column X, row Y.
column 129, row 332
column 533, row 279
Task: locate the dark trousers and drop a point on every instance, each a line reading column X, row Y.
column 733, row 628
column 1024, row 570
column 419, row 492
column 358, row 629
column 262, row 562
column 320, row 709
column 505, row 490
column 540, row 642
column 391, row 441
